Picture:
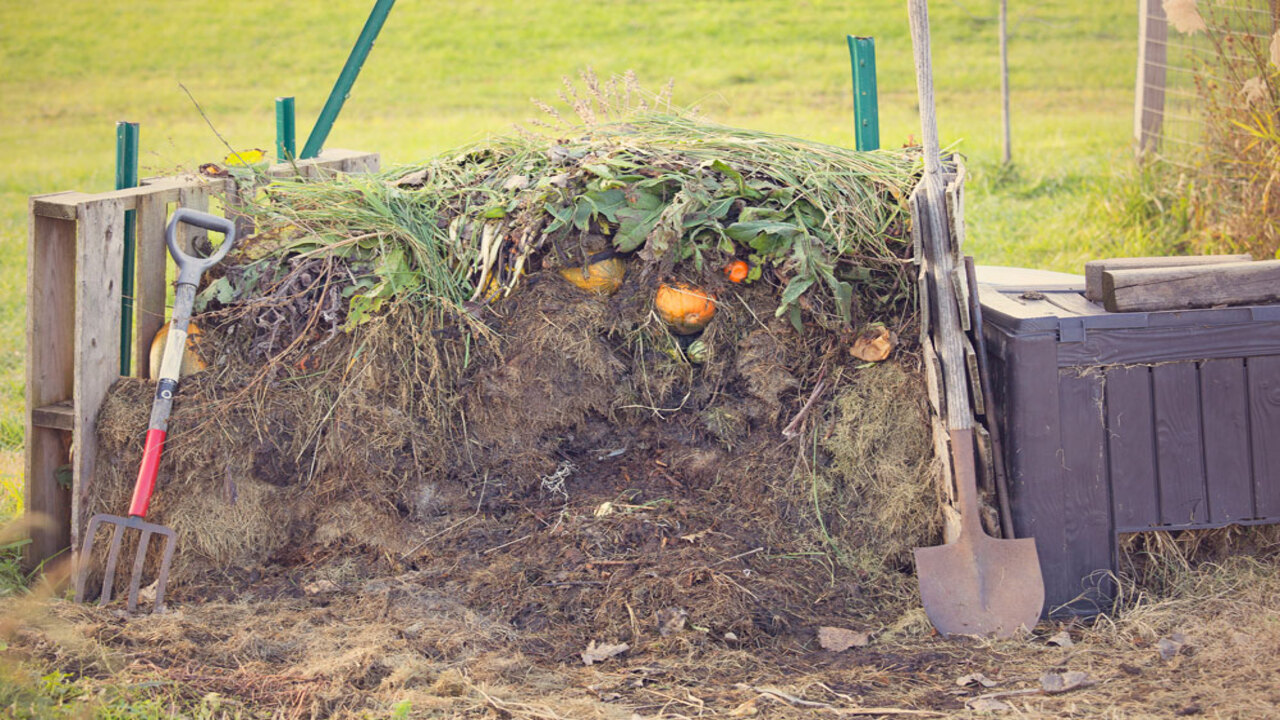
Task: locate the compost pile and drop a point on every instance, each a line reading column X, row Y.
column 643, row 377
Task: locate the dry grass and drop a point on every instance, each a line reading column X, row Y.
column 395, row 643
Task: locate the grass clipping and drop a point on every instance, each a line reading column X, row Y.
column 401, row 380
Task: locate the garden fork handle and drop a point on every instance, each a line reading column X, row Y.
column 189, row 271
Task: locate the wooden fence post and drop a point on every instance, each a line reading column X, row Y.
column 1148, row 104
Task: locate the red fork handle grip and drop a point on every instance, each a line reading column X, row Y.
column 146, row 483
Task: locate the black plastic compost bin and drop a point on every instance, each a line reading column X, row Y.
column 1128, row 422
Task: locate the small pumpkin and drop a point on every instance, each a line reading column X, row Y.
column 687, row 309
column 698, row 352
column 738, row 270
column 602, row 278
column 191, row 362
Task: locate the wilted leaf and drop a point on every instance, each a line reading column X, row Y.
column 1171, row 646
column 604, row 508
column 988, row 705
column 320, row 586
column 1184, row 16
column 975, row 679
column 671, row 620
column 413, row 179
column 840, row 639
column 873, row 345
column 1054, row 683
column 746, row 709
column 1062, row 639
column 600, row 652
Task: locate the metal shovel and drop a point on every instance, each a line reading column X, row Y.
column 976, row 585
column 189, row 271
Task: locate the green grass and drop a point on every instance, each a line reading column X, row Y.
column 446, row 73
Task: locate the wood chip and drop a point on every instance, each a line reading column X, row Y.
column 1062, row 639
column 603, row 651
column 1054, row 683
column 840, row 639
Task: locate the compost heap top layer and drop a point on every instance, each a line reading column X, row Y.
column 641, row 373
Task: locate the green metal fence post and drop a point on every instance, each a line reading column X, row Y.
column 127, row 177
column 866, row 105
column 286, row 132
column 346, row 79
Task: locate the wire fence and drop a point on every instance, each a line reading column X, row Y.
column 1188, row 50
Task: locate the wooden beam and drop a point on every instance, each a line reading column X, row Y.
column 99, row 255
column 150, row 287
column 1183, row 288
column 51, row 262
column 1094, row 268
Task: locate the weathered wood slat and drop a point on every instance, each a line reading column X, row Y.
column 150, row 287
column 1179, row 452
column 58, row 416
column 1094, row 268
column 99, row 257
column 1264, row 421
column 1181, row 288
column 63, row 205
column 51, row 263
column 1224, row 401
column 1132, row 447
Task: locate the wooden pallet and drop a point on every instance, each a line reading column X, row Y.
column 75, row 259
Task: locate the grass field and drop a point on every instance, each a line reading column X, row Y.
column 443, row 74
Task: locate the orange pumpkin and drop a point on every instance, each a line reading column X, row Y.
column 687, row 309
column 191, row 360
column 737, row 270
column 602, row 278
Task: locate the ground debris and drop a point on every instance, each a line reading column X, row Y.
column 603, row 651
column 838, row 639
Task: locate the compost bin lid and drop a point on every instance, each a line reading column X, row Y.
column 1024, row 301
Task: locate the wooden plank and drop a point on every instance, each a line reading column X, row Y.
column 1175, row 395
column 1131, row 448
column 1183, row 288
column 50, row 336
column 975, row 379
column 1224, row 401
column 58, row 416
column 99, row 257
column 196, row 198
column 1148, row 111
column 1094, row 268
column 932, row 376
column 362, row 163
column 1264, row 421
column 1087, row 526
column 150, row 286
column 65, row 205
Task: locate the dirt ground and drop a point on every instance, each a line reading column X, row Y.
column 294, row 645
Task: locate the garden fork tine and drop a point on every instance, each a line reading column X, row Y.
column 189, row 271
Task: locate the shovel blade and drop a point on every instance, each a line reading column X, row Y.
column 979, row 585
